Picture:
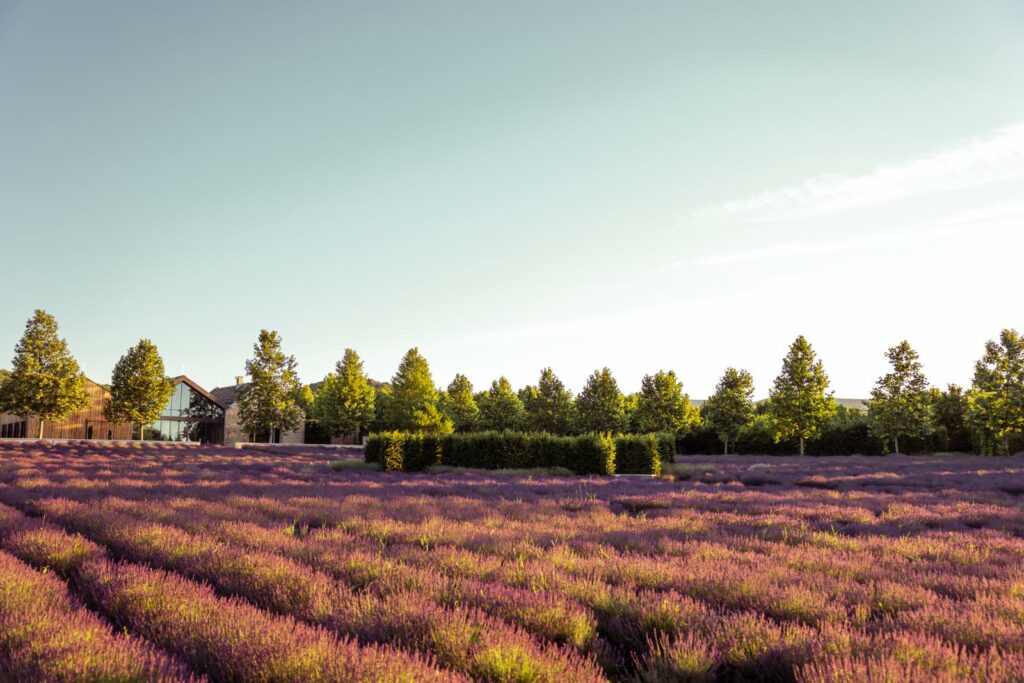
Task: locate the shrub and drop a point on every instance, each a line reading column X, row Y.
column 394, row 452
column 374, row 449
column 638, row 454
column 700, row 441
column 587, row 454
column 667, row 446
column 593, row 454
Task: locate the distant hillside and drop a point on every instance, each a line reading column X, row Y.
column 853, row 403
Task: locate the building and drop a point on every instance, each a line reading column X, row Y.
column 88, row 423
column 192, row 414
column 233, row 432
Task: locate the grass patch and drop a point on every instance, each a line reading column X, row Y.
column 683, row 471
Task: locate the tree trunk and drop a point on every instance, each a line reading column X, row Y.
column 40, row 428
column 142, row 432
column 726, row 446
column 896, row 444
column 801, row 445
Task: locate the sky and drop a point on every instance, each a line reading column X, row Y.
column 508, row 186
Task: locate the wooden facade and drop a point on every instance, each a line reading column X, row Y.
column 88, row 423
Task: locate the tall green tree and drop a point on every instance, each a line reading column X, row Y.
column 731, row 407
column 663, row 407
column 529, row 395
column 995, row 402
column 139, row 387
column 601, row 407
column 268, row 401
column 458, row 404
column 413, row 401
column 45, row 379
column 949, row 415
column 346, row 400
column 549, row 406
column 500, row 407
column 900, row 404
column 799, row 402
column 382, row 409
column 305, row 398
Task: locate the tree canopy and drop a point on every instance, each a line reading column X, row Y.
column 549, row 406
column 458, row 404
column 731, row 407
column 500, row 407
column 345, row 402
column 268, row 401
column 601, row 406
column 799, row 402
column 45, row 380
column 662, row 406
column 900, row 404
column 995, row 402
column 412, row 402
column 949, row 414
column 139, row 388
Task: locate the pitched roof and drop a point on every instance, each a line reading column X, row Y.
column 199, row 390
column 226, row 396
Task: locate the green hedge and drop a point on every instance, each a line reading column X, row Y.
column 667, row 446
column 638, row 454
column 586, row 454
column 404, row 452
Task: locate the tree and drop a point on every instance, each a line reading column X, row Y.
column 549, row 406
column 630, row 404
column 306, row 399
column 4, row 376
column 413, row 399
column 382, row 409
column 900, row 404
column 995, row 403
column 731, row 407
column 601, row 406
column 949, row 415
column 459, row 405
column 45, row 379
column 267, row 403
column 346, row 400
column 799, row 403
column 662, row 406
column 500, row 407
column 139, row 389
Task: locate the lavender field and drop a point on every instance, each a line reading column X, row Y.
column 177, row 563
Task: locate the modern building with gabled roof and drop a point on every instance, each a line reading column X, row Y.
column 192, row 414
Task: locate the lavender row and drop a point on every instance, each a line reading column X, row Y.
column 226, row 639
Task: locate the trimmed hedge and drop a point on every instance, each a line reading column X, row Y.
column 667, row 445
column 373, row 451
column 586, row 454
column 638, row 454
column 404, row 451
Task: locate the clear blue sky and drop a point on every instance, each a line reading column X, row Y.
column 510, row 185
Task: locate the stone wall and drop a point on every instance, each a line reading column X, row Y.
column 233, row 432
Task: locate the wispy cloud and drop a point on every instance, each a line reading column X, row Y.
column 997, row 157
column 972, row 222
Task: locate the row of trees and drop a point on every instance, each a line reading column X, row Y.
column 45, row 381
column 989, row 417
